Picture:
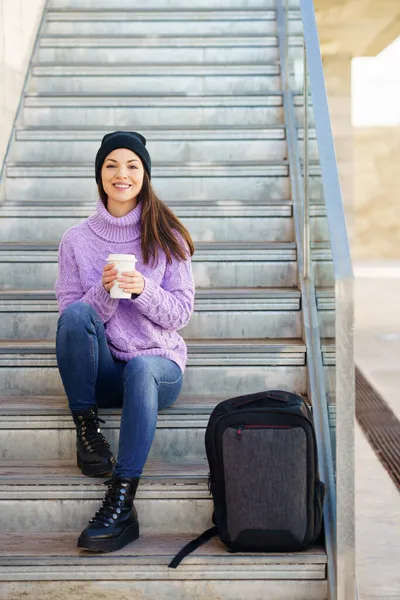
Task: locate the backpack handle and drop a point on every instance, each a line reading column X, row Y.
column 257, row 397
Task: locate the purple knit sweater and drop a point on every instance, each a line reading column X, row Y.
column 147, row 325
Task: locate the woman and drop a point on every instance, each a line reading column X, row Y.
column 114, row 352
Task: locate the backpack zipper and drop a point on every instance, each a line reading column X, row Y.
column 239, row 432
column 240, row 428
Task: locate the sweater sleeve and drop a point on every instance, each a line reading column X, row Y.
column 170, row 304
column 69, row 289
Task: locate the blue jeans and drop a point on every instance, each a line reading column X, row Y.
column 90, row 375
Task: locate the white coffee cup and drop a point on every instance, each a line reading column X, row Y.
column 124, row 263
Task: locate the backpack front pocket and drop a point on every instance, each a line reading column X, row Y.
column 265, row 471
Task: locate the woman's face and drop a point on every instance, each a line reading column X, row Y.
column 122, row 176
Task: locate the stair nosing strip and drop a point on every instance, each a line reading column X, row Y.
column 178, row 14
column 216, row 41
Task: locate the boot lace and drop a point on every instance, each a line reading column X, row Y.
column 91, row 435
column 111, row 508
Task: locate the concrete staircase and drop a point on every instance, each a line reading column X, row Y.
column 201, row 80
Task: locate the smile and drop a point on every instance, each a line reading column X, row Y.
column 122, row 186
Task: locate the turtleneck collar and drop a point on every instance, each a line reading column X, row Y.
column 116, row 229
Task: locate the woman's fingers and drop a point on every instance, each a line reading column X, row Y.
column 109, row 276
column 132, row 276
column 129, row 281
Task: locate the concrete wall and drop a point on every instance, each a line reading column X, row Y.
column 19, row 20
column 368, row 159
column 369, row 170
column 376, row 193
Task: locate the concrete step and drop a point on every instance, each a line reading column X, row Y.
column 161, row 112
column 185, row 181
column 173, row 497
column 171, row 145
column 167, row 51
column 184, row 184
column 206, row 43
column 273, row 168
column 222, row 314
column 151, row 79
column 206, row 221
column 167, row 23
column 56, row 567
column 215, row 264
column 228, row 367
column 246, row 313
column 165, row 5
column 180, row 145
column 326, row 306
column 321, row 265
column 53, row 411
column 130, row 111
column 49, row 434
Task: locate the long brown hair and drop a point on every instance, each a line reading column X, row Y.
column 158, row 223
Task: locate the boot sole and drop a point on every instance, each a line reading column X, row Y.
column 94, row 470
column 130, row 534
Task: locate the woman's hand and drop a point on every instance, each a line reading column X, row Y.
column 109, row 276
column 131, row 282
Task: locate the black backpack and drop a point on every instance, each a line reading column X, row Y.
column 267, row 495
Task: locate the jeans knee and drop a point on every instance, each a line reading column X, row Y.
column 77, row 314
column 139, row 367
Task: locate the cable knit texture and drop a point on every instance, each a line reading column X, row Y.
column 147, row 325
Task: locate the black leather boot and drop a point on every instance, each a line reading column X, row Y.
column 93, row 455
column 116, row 522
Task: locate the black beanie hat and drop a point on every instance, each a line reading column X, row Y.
column 122, row 139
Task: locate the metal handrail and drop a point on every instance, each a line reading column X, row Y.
column 309, row 309
column 343, row 572
column 344, row 321
column 330, row 175
column 306, row 197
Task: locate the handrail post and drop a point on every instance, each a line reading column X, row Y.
column 306, row 211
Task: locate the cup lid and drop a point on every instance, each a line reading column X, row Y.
column 121, row 257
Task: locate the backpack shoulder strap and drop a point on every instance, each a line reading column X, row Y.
column 191, row 546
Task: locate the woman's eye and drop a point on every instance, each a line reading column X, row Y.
column 110, row 167
column 133, row 167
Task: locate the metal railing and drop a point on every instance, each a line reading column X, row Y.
column 306, row 108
